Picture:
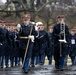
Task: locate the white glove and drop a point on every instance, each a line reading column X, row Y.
column 18, row 27
column 36, row 28
column 31, row 37
column 1, row 44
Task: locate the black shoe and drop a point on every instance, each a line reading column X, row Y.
column 32, row 65
column 36, row 63
column 29, row 69
column 25, row 71
column 49, row 63
column 1, row 66
column 22, row 67
column 6, row 66
column 12, row 66
column 61, row 69
column 65, row 64
column 16, row 65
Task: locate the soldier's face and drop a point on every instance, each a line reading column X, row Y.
column 4, row 26
column 42, row 28
column 58, row 20
column 72, row 33
column 51, row 30
column 61, row 20
column 26, row 21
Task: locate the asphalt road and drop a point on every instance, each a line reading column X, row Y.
column 39, row 70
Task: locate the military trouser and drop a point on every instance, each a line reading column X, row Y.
column 62, row 62
column 42, row 58
column 6, row 60
column 59, row 61
column 2, row 61
column 17, row 61
column 50, row 59
column 35, row 60
column 11, row 61
column 26, row 64
column 72, row 59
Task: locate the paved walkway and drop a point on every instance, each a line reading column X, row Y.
column 39, row 70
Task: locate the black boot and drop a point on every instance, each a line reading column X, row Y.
column 25, row 71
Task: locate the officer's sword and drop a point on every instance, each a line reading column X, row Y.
column 27, row 46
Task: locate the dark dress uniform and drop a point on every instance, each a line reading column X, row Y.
column 25, row 32
column 1, row 47
column 72, row 53
column 3, row 44
column 59, row 60
column 6, row 47
column 9, row 43
column 51, row 49
column 43, row 45
column 11, row 47
column 17, row 46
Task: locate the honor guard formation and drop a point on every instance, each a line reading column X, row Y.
column 27, row 44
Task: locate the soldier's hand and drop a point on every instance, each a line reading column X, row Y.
column 31, row 37
column 18, row 27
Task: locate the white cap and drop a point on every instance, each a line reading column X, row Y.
column 38, row 23
column 18, row 25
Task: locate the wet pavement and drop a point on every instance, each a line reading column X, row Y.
column 39, row 70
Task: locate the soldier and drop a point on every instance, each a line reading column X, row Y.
column 10, row 45
column 51, row 49
column 13, row 47
column 73, row 46
column 17, row 46
column 26, row 32
column 44, row 43
column 3, row 43
column 6, row 40
column 61, row 41
column 7, row 47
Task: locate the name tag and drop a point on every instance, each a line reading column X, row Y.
column 73, row 41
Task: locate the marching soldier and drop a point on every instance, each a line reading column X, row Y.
column 27, row 34
column 1, row 45
column 3, row 42
column 6, row 45
column 13, row 47
column 73, row 46
column 7, row 51
column 9, row 47
column 44, row 44
column 51, row 49
column 61, row 40
column 17, row 46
